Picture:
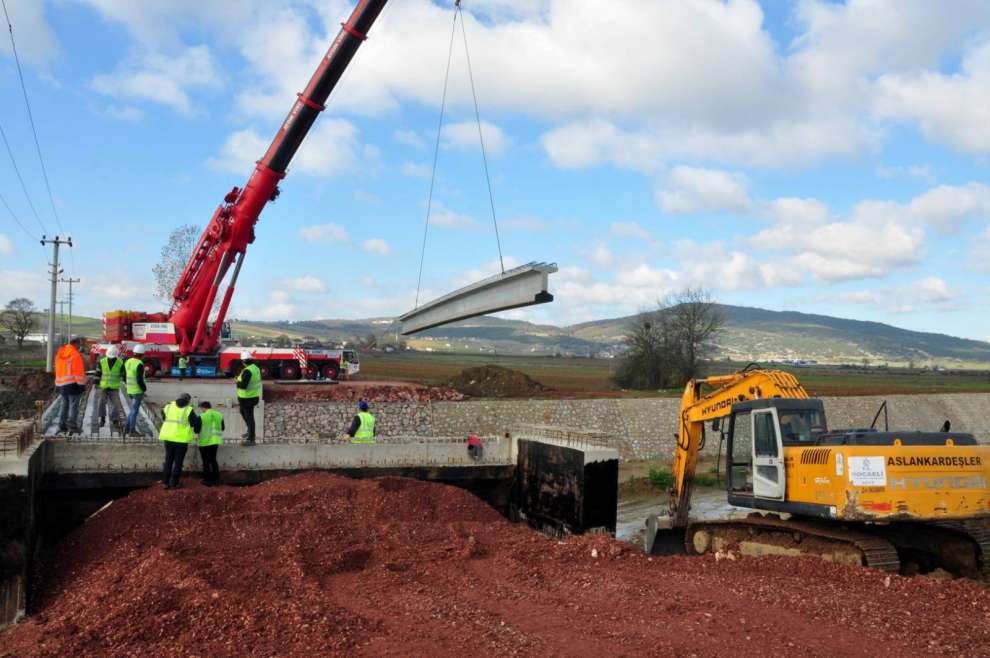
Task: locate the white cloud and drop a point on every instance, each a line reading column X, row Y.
column 929, row 291
column 630, row 230
column 161, row 79
column 446, row 218
column 329, row 149
column 792, row 210
column 37, row 44
column 376, row 246
column 932, row 289
column 464, row 136
column 949, row 108
column 329, row 232
column 20, row 283
column 409, row 138
column 873, row 241
column 415, row 169
column 945, row 206
column 911, row 171
column 308, row 283
column 585, row 143
column 601, row 255
column 693, row 189
column 6, row 246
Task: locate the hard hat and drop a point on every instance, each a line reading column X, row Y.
column 112, row 352
column 246, row 356
column 363, row 405
column 140, row 348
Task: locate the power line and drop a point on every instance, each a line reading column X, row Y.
column 16, row 220
column 17, row 171
column 27, row 104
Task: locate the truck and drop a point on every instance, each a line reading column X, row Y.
column 901, row 501
column 188, row 330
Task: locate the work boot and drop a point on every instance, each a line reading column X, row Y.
column 244, row 436
column 103, row 421
column 248, row 442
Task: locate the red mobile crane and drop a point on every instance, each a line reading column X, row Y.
column 186, row 329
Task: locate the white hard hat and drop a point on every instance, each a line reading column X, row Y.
column 245, row 355
column 139, row 348
column 112, row 352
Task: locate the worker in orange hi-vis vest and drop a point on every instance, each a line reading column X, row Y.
column 70, row 382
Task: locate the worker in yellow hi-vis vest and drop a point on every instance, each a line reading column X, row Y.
column 210, row 439
column 180, row 425
column 362, row 429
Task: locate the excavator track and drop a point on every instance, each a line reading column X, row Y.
column 979, row 533
column 876, row 552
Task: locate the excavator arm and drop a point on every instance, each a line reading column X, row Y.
column 697, row 406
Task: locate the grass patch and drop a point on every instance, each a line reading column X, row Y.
column 664, row 479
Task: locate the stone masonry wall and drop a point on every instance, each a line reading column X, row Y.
column 640, row 428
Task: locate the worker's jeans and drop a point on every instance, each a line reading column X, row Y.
column 133, row 413
column 211, row 469
column 68, row 417
column 247, row 406
column 106, row 402
column 175, row 454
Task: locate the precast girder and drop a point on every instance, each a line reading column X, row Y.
column 525, row 285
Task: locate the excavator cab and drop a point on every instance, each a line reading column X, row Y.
column 755, row 436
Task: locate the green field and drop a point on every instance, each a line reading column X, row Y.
column 580, row 376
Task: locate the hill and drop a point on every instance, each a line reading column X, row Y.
column 751, row 334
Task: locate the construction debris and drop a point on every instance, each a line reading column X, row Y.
column 495, row 382
column 316, row 564
column 20, row 388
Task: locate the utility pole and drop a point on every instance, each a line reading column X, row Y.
column 61, row 321
column 70, row 281
column 56, row 243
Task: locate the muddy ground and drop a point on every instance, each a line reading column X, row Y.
column 315, row 564
column 20, row 388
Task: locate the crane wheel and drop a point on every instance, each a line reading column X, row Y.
column 289, row 371
column 330, row 371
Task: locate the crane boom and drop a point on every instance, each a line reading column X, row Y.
column 697, row 407
column 223, row 243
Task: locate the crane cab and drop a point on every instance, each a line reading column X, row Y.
column 781, row 457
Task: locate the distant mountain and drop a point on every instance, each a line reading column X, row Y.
column 750, row 334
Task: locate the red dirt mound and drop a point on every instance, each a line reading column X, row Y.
column 495, row 382
column 316, row 565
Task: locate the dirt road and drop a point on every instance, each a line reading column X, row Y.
column 316, row 564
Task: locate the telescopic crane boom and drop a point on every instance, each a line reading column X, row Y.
column 225, row 240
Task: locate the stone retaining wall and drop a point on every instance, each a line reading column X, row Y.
column 640, row 428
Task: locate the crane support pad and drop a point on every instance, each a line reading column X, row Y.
column 525, row 285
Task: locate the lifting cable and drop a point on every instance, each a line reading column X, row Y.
column 436, row 147
column 27, row 104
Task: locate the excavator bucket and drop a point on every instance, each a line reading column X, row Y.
column 662, row 539
column 521, row 286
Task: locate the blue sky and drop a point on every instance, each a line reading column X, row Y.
column 824, row 157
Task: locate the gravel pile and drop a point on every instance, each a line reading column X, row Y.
column 316, row 565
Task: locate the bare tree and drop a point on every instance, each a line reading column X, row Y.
column 174, row 256
column 665, row 347
column 18, row 318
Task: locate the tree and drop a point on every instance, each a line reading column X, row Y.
column 282, row 341
column 18, row 318
column 665, row 348
column 174, row 257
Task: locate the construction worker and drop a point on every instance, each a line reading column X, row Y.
column 108, row 376
column 248, row 394
column 70, row 383
column 136, row 388
column 210, row 439
column 180, row 425
column 362, row 429
column 182, row 366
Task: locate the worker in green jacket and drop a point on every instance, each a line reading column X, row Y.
column 180, row 425
column 248, row 393
column 362, row 429
column 210, row 439
column 136, row 388
column 182, row 366
column 108, row 377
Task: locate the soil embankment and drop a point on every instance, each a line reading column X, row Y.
column 315, row 564
column 495, row 382
column 20, row 388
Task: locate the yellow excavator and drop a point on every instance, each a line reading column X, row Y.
column 900, row 501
